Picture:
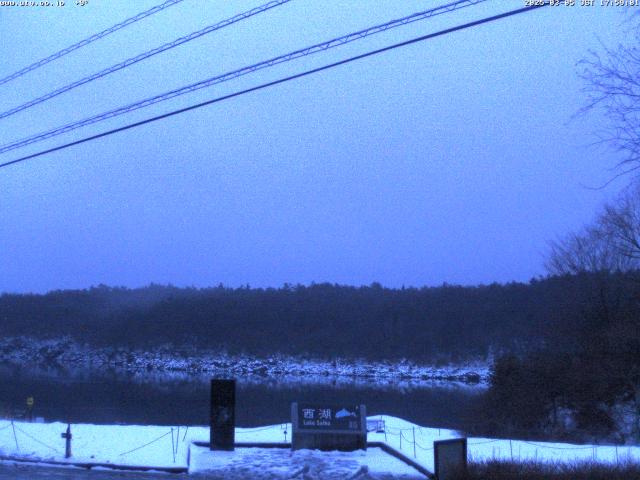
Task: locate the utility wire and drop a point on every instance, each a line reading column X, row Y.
column 320, row 47
column 143, row 56
column 281, row 80
column 92, row 38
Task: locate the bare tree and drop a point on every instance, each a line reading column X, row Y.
column 610, row 244
column 586, row 251
column 612, row 84
column 621, row 224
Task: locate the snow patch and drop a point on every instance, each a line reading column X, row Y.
column 64, row 352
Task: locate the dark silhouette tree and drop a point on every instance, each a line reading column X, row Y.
column 612, row 84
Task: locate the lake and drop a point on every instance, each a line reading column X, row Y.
column 85, row 396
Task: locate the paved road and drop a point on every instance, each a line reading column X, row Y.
column 27, row 472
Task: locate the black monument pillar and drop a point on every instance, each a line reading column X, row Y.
column 223, row 414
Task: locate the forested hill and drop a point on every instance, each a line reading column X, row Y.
column 323, row 320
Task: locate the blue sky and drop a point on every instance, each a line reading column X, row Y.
column 454, row 160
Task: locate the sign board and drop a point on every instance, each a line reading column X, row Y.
column 329, row 417
column 223, row 414
column 450, row 458
column 328, row 427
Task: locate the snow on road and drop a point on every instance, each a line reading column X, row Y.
column 280, row 463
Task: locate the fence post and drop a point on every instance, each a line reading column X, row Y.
column 414, row 441
column 511, row 449
column 173, row 451
column 14, row 435
column 400, row 439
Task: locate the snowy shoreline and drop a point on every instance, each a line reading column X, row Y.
column 66, row 353
column 160, row 447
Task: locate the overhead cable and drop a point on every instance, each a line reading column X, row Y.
column 88, row 40
column 279, row 81
column 320, row 47
column 142, row 56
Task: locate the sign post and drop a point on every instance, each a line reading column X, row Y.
column 450, row 458
column 67, row 444
column 328, row 427
column 30, row 408
column 223, row 414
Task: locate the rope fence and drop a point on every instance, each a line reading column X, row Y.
column 561, row 448
column 36, row 440
column 175, row 433
column 257, row 429
column 421, row 431
column 485, row 442
column 418, row 439
column 426, row 449
column 174, row 440
column 404, row 441
column 146, row 444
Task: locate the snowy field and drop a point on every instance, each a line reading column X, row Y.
column 162, row 446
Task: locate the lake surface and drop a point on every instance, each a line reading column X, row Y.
column 83, row 396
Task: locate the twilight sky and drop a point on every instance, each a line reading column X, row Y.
column 453, row 160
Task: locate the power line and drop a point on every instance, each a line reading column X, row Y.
column 92, row 38
column 281, row 80
column 138, row 58
column 320, row 47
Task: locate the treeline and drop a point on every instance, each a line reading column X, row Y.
column 586, row 378
column 587, row 375
column 421, row 324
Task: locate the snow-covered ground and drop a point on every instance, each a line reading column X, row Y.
column 64, row 352
column 161, row 446
column 269, row 463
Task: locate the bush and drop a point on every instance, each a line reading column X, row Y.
column 499, row 470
